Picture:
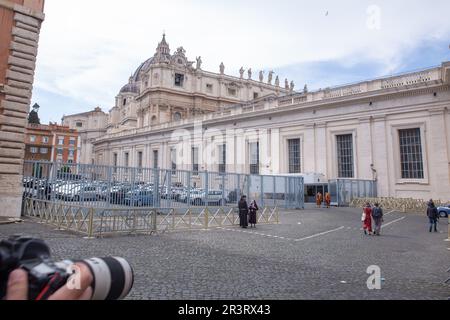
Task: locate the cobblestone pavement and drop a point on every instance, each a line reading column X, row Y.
column 311, row 254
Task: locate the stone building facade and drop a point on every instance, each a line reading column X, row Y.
column 38, row 143
column 90, row 126
column 19, row 33
column 169, row 88
column 395, row 130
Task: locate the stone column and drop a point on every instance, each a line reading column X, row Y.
column 381, row 157
column 277, row 154
column 364, row 147
column 19, row 33
column 309, row 156
column 320, row 149
column 438, row 158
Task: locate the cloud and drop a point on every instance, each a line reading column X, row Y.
column 88, row 49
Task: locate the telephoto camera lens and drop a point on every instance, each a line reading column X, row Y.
column 113, row 278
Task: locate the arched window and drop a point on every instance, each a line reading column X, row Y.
column 177, row 116
column 153, row 120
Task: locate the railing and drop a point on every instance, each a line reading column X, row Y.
column 98, row 222
column 120, row 188
column 344, row 191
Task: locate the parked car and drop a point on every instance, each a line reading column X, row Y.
column 139, row 198
column 185, row 194
column 174, row 194
column 444, row 211
column 118, row 193
column 80, row 192
column 102, row 191
column 215, row 197
column 64, row 191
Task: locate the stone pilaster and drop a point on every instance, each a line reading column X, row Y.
column 380, row 156
column 309, row 143
column 364, row 147
column 321, row 149
column 15, row 98
column 439, row 175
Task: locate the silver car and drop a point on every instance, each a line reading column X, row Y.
column 214, row 197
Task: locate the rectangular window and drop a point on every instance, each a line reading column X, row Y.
column 32, row 138
column 44, row 150
column 223, row 158
column 173, row 159
column 194, row 156
column 254, row 157
column 79, row 125
column 71, row 153
column 127, row 159
column 45, row 139
column 72, row 141
column 232, row 92
column 209, row 88
column 179, row 79
column 34, row 150
column 255, row 95
column 345, row 156
column 411, row 158
column 294, row 156
column 155, row 159
column 140, row 159
column 59, row 152
column 61, row 141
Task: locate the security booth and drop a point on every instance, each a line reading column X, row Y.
column 311, row 191
column 342, row 191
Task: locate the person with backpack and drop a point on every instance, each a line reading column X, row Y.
column 433, row 215
column 377, row 215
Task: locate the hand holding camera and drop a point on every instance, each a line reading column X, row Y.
column 27, row 272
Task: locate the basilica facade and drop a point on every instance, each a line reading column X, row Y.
column 169, row 88
column 395, row 130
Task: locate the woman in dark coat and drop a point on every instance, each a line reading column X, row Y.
column 253, row 209
column 433, row 216
column 243, row 212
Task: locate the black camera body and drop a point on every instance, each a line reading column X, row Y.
column 113, row 277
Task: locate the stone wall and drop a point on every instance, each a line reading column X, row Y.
column 20, row 25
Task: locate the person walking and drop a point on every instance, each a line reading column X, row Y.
column 253, row 209
column 367, row 219
column 319, row 199
column 243, row 212
column 377, row 215
column 432, row 214
column 328, row 200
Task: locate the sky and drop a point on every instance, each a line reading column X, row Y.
column 89, row 48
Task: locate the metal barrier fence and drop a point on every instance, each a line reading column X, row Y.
column 343, row 191
column 100, row 222
column 96, row 186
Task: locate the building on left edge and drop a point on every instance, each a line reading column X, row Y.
column 19, row 33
